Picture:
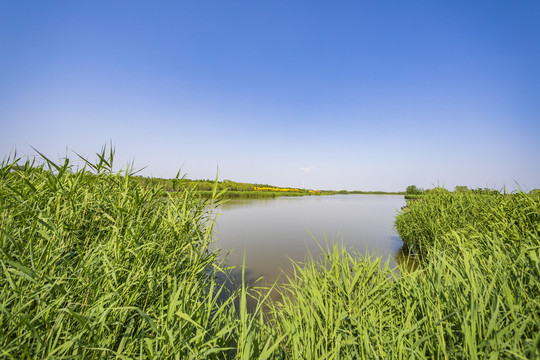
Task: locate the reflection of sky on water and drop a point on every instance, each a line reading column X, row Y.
column 273, row 231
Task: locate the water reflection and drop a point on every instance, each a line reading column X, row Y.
column 406, row 259
column 236, row 203
column 272, row 232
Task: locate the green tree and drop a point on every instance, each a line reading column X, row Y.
column 413, row 190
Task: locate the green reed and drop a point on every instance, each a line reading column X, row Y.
column 510, row 217
column 476, row 295
column 95, row 266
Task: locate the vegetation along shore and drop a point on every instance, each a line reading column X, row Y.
column 97, row 264
column 233, row 189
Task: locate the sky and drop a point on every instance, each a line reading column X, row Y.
column 354, row 95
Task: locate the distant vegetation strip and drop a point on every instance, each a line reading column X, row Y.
column 253, row 194
column 415, row 193
column 237, row 189
column 267, row 188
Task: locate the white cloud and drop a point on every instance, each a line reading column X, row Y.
column 307, row 169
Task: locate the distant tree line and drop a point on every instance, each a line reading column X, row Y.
column 414, row 191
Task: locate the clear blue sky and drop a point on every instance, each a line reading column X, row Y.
column 368, row 95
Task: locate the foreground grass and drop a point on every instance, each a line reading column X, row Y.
column 476, row 295
column 93, row 265
column 466, row 305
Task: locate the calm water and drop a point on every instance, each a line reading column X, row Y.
column 273, row 231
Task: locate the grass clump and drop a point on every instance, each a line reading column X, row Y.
column 476, row 294
column 511, row 218
column 95, row 266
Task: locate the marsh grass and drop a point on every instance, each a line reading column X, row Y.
column 475, row 295
column 96, row 266
column 509, row 217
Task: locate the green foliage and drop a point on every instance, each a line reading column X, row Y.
column 413, row 190
column 483, row 191
column 413, row 197
column 235, row 189
column 182, row 184
column 465, row 304
column 437, row 190
column 95, row 266
column 486, row 191
column 510, row 217
column 476, row 294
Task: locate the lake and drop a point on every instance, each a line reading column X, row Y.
column 273, row 231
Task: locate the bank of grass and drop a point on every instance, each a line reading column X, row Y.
column 413, row 196
column 93, row 266
column 475, row 295
column 228, row 194
column 96, row 266
column 228, row 188
column 233, row 189
column 254, row 194
column 508, row 217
